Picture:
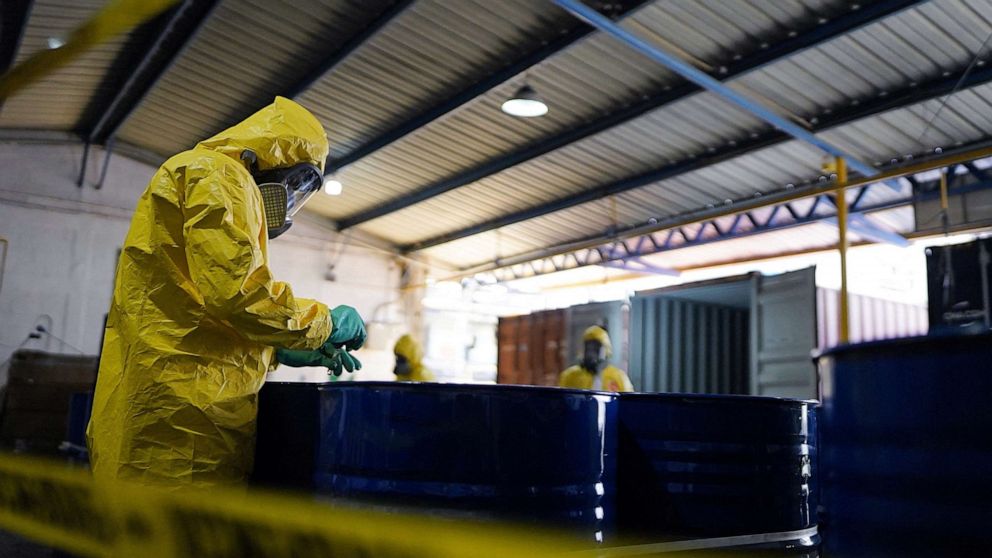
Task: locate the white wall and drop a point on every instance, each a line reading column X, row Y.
column 63, row 244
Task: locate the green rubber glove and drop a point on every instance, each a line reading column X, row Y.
column 342, row 359
column 348, row 329
column 289, row 357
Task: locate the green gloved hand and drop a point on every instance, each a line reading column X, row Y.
column 334, row 363
column 345, row 360
column 347, row 329
column 296, row 359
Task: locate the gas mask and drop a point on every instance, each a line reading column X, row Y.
column 284, row 191
column 402, row 367
column 593, row 356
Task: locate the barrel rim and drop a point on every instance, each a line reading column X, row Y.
column 903, row 342
column 719, row 398
column 452, row 387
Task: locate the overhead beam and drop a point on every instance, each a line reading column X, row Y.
column 14, row 15
column 775, row 200
column 640, row 266
column 864, row 108
column 138, row 42
column 331, row 62
column 743, row 101
column 177, row 34
column 508, row 72
column 803, row 39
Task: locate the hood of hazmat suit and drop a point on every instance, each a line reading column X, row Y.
column 596, row 333
column 409, row 349
column 196, row 315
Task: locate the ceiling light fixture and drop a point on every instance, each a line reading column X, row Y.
column 525, row 104
column 333, row 187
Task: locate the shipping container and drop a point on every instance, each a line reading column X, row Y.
column 959, row 285
column 506, row 363
column 750, row 334
column 535, row 348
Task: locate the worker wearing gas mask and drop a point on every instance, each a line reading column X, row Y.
column 410, row 361
column 593, row 372
column 197, row 319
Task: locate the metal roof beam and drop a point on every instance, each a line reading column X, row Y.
column 328, row 64
column 765, row 228
column 640, row 266
column 425, row 117
column 859, row 225
column 863, row 109
column 14, row 15
column 753, row 106
column 968, row 152
column 802, row 40
column 172, row 41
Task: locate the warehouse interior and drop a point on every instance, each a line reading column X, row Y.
column 635, row 277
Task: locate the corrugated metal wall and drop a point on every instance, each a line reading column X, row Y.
column 688, row 347
column 870, row 318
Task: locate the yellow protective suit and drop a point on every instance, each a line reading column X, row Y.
column 409, row 349
column 610, row 378
column 196, row 314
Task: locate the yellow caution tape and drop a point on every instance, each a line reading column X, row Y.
column 113, row 19
column 69, row 509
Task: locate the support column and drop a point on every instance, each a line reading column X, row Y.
column 841, row 199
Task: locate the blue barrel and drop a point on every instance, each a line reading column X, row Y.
column 534, row 454
column 287, row 434
column 80, row 407
column 697, row 466
column 907, row 447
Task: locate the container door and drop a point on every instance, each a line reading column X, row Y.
column 524, row 368
column 506, row 338
column 536, row 345
column 783, row 335
column 554, row 331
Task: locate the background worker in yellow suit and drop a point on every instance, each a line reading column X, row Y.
column 593, row 372
column 197, row 319
column 409, row 361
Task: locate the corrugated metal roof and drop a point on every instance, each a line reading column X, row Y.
column 435, row 48
column 58, row 100
column 831, row 75
column 594, row 77
column 248, row 52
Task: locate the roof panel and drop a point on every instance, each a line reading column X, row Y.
column 58, row 100
column 248, row 52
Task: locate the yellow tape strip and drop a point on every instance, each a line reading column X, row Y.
column 69, row 509
column 113, row 19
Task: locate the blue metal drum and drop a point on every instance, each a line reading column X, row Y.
column 533, row 454
column 694, row 466
column 287, row 433
column 907, row 447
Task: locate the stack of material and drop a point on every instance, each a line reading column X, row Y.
column 36, row 398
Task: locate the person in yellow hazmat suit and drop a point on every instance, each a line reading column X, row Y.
column 409, row 361
column 593, row 372
column 197, row 319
